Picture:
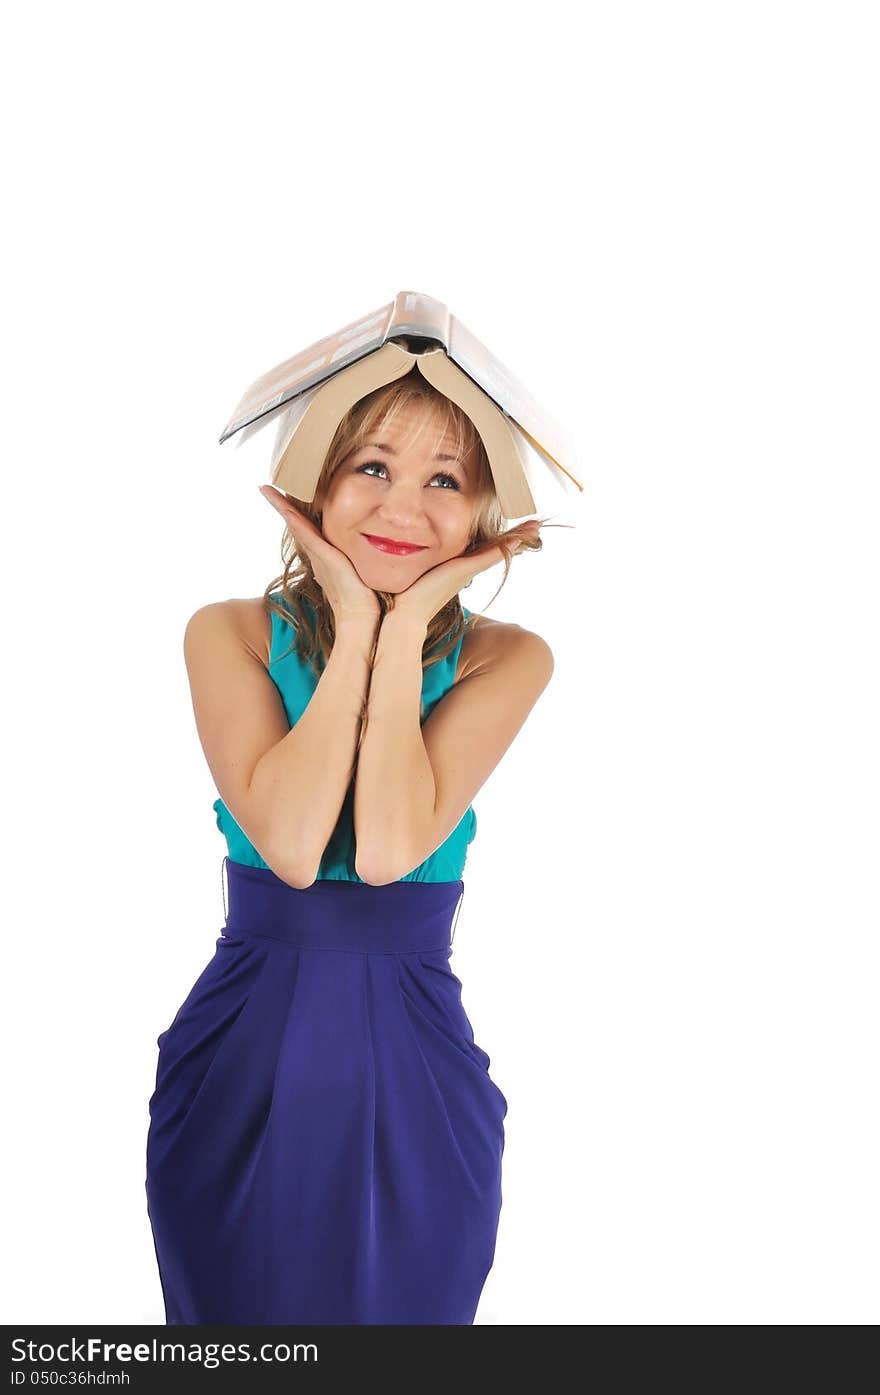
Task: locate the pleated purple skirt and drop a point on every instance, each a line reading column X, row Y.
column 325, row 1139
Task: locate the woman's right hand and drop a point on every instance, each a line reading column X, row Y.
column 348, row 596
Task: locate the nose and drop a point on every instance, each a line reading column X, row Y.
column 403, row 505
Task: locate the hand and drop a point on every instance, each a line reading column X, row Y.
column 421, row 601
column 349, row 598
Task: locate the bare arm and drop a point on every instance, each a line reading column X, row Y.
column 414, row 783
column 283, row 786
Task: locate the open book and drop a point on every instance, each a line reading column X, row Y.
column 310, row 393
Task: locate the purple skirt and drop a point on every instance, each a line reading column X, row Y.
column 325, row 1139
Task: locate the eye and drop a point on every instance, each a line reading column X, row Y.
column 380, row 465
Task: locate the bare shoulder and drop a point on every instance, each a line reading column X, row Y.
column 490, row 643
column 249, row 619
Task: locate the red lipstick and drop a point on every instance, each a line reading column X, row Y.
column 396, row 549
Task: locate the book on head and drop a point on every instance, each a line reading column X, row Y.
column 309, row 394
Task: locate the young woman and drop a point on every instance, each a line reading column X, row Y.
column 325, row 1139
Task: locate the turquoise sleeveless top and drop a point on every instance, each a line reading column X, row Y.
column 296, row 682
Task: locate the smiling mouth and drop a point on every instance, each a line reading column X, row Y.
column 395, row 549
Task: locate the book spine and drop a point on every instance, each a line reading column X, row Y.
column 421, row 316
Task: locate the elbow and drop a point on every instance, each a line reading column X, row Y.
column 372, row 879
column 299, row 874
column 299, row 880
column 374, row 873
column 392, row 861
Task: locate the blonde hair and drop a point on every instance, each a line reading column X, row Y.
column 304, row 604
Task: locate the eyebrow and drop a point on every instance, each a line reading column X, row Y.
column 377, row 445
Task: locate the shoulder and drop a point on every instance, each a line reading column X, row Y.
column 490, row 644
column 249, row 620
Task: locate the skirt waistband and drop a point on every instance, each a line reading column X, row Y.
column 399, row 918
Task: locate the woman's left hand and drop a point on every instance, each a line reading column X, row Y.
column 421, row 601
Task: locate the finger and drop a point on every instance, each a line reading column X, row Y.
column 492, row 552
column 299, row 525
column 511, row 544
column 279, row 501
column 490, row 556
column 525, row 532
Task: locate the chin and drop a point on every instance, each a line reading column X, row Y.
column 381, row 579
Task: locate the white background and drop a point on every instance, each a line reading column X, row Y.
column 664, row 220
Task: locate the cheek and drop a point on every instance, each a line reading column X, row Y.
column 340, row 504
column 351, row 496
column 455, row 523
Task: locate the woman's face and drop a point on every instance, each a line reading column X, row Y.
column 405, row 493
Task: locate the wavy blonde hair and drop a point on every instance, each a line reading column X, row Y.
column 303, row 603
